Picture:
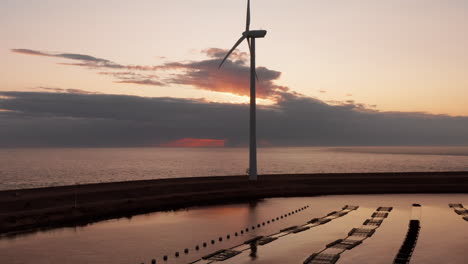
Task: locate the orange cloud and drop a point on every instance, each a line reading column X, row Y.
column 233, row 78
column 194, row 143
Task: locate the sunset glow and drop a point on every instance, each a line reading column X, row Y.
column 236, row 99
column 195, row 143
column 383, row 53
column 334, row 73
column 193, row 132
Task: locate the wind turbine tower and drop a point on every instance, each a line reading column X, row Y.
column 250, row 36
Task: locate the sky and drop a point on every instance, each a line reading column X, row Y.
column 392, row 69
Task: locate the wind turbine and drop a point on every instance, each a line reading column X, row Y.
column 250, row 35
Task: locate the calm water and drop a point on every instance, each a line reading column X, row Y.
column 443, row 237
column 28, row 168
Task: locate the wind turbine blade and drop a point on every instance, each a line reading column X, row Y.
column 250, row 47
column 247, row 25
column 233, row 48
column 250, row 50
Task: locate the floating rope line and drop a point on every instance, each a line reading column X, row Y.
column 332, row 251
column 220, row 239
column 406, row 250
column 460, row 210
column 252, row 244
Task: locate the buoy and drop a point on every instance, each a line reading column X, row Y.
column 153, row 261
column 220, row 239
column 204, row 244
column 277, row 218
column 186, row 251
column 259, row 225
column 177, row 254
column 197, row 247
column 165, row 258
column 228, row 236
column 247, row 229
column 212, row 241
column 235, row 234
column 242, row 231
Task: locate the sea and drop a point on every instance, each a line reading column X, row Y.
column 140, row 239
column 41, row 167
column 148, row 237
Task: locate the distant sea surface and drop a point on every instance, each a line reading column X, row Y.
column 40, row 167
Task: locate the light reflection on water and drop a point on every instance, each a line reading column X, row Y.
column 443, row 237
column 27, row 168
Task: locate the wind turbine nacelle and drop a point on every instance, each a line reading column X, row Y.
column 255, row 34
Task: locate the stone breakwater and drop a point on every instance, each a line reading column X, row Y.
column 32, row 209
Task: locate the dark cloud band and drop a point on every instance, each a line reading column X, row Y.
column 69, row 119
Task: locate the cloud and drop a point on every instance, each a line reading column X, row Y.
column 71, row 56
column 203, row 74
column 134, row 78
column 142, row 82
column 217, row 53
column 31, row 52
column 74, row 119
column 62, row 90
column 81, row 57
column 87, row 60
column 233, row 77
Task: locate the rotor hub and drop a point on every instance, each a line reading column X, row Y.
column 254, row 33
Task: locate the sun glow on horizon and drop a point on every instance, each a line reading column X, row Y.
column 225, row 97
column 195, row 143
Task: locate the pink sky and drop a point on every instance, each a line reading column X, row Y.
column 395, row 55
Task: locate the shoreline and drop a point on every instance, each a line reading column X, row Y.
column 28, row 210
